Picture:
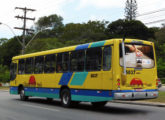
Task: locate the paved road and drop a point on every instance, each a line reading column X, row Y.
column 162, row 88
column 11, row 108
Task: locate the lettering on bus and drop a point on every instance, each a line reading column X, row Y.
column 130, row 71
column 94, row 75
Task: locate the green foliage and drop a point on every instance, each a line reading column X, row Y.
column 3, row 40
column 54, row 22
column 4, row 74
column 132, row 29
column 161, row 67
column 8, row 50
column 43, row 44
column 94, row 30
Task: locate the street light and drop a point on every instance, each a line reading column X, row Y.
column 48, row 28
column 12, row 32
column 25, row 46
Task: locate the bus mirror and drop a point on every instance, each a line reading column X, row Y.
column 123, row 78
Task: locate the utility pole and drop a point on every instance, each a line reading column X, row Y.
column 25, row 10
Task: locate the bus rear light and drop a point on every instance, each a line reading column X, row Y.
column 118, row 82
column 157, row 82
column 154, row 95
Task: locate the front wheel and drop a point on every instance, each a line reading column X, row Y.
column 65, row 98
column 22, row 95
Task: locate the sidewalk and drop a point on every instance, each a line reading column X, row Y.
column 157, row 104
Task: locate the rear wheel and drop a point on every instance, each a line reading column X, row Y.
column 99, row 104
column 65, row 98
column 22, row 95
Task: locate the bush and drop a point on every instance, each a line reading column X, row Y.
column 162, row 80
column 161, row 68
column 4, row 74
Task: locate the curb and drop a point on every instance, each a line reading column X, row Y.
column 4, row 90
column 157, row 104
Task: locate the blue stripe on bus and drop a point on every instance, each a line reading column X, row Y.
column 81, row 47
column 13, row 90
column 101, row 93
column 65, row 78
column 43, row 90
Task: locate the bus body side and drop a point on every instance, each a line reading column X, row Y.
column 91, row 86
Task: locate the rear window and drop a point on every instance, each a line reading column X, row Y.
column 138, row 56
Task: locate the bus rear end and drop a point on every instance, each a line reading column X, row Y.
column 138, row 71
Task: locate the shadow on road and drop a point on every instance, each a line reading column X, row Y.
column 88, row 107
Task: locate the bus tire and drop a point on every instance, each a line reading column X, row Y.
column 22, row 95
column 99, row 104
column 66, row 98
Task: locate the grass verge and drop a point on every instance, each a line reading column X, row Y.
column 4, row 88
column 161, row 98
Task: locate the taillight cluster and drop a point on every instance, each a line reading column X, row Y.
column 118, row 84
column 157, row 82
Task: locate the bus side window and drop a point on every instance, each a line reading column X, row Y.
column 39, row 64
column 77, row 60
column 107, row 53
column 29, row 68
column 49, row 66
column 62, row 62
column 93, row 59
column 21, row 66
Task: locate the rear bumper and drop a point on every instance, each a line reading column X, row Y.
column 135, row 95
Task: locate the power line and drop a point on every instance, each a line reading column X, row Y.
column 157, row 21
column 151, row 12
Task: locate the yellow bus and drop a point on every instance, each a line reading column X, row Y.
column 97, row 72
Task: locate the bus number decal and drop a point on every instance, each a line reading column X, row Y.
column 93, row 75
column 130, row 72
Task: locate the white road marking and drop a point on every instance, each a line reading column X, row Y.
column 45, row 108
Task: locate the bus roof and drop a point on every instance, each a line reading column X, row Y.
column 77, row 47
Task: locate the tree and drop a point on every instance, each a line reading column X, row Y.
column 131, row 9
column 3, row 40
column 132, row 29
column 92, row 30
column 54, row 22
column 8, row 50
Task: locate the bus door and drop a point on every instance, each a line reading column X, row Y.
column 107, row 69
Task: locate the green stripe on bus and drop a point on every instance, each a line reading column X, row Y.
column 97, row 44
column 14, row 92
column 38, row 94
column 79, row 78
column 90, row 98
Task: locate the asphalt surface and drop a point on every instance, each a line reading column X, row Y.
column 162, row 88
column 11, row 108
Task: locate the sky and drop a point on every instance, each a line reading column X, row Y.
column 74, row 11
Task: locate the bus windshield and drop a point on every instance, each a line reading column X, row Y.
column 138, row 56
